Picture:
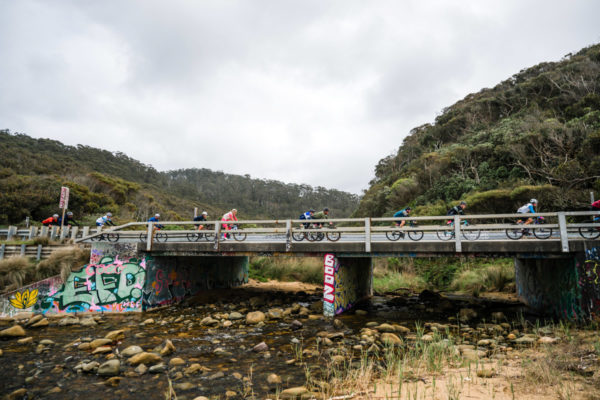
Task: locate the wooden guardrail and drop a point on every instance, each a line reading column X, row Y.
column 38, row 252
column 52, row 232
column 446, row 228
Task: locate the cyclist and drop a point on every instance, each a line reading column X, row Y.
column 201, row 217
column 322, row 215
column 595, row 206
column 53, row 220
column 528, row 208
column 68, row 221
column 105, row 220
column 458, row 209
column 155, row 219
column 227, row 217
column 307, row 215
column 405, row 212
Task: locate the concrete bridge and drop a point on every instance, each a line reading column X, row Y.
column 135, row 267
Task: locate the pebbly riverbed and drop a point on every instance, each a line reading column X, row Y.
column 242, row 343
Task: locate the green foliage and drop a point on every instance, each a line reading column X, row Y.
column 304, row 269
column 537, row 134
column 495, row 277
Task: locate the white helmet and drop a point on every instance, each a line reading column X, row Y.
column 55, row 216
column 157, row 215
column 109, row 214
column 204, row 213
column 533, row 201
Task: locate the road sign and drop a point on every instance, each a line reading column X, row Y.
column 64, row 198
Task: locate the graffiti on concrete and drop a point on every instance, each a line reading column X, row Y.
column 15, row 302
column 111, row 285
column 589, row 283
column 345, row 282
column 330, row 266
column 24, row 299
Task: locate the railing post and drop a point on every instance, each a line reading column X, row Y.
column 23, row 248
column 288, row 235
column 217, row 235
column 149, row 237
column 74, row 231
column 32, row 232
column 12, row 230
column 44, row 231
column 367, row 235
column 2, row 249
column 86, row 231
column 63, row 232
column 457, row 234
column 562, row 227
column 53, row 232
column 38, row 256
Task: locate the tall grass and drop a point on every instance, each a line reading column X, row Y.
column 309, row 270
column 486, row 278
column 62, row 262
column 15, row 272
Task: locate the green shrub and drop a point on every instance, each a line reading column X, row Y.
column 309, row 270
column 14, row 272
column 62, row 262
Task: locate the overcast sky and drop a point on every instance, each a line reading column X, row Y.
column 310, row 92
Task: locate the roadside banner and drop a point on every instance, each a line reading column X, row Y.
column 64, row 198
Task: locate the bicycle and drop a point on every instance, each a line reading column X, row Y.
column 413, row 235
column 158, row 236
column 331, row 235
column 468, row 234
column 590, row 232
column 518, row 232
column 196, row 236
column 110, row 236
column 237, row 236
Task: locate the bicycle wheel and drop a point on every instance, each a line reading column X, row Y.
column 316, row 236
column 161, row 237
column 209, row 237
column 333, row 236
column 112, row 237
column 193, row 236
column 415, row 235
column 589, row 232
column 239, row 236
column 514, row 233
column 298, row 236
column 446, row 234
column 143, row 237
column 97, row 238
column 542, row 233
column 393, row 235
column 471, row 234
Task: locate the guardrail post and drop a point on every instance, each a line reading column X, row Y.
column 63, row 232
column 38, row 256
column 32, row 232
column 2, row 248
column 12, row 230
column 23, row 248
column 44, row 231
column 149, row 237
column 562, row 227
column 288, row 235
column 53, row 232
column 457, row 234
column 74, row 231
column 368, row 235
column 217, row 235
column 86, row 231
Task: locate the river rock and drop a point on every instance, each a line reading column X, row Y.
column 1, row 352
column 145, row 358
column 148, row 321
column 216, row 375
column 141, row 369
column 115, row 335
column 485, row 373
column 158, row 368
column 273, row 379
column 338, row 359
column 184, row 386
column 235, row 316
column 176, row 362
column 131, row 351
column 295, row 325
column 47, row 342
column 192, row 369
column 102, row 350
column 255, row 317
column 26, row 340
column 13, row 331
column 91, row 366
column 209, row 321
column 68, row 320
column 41, row 323
column 34, row 319
column 110, row 368
column 201, row 398
column 227, row 324
column 546, row 340
column 390, row 338
column 17, row 394
column 525, row 340
column 262, row 346
column 427, row 338
column 168, row 348
column 386, row 328
column 88, row 322
column 511, row 336
column 99, row 342
column 275, row 313
column 84, row 346
column 293, row 393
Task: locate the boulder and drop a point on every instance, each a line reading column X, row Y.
column 13, row 331
column 131, row 351
column 255, row 317
column 145, row 358
column 110, row 368
column 390, row 338
column 262, row 346
column 115, row 335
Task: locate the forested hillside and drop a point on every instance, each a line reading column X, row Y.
column 537, row 134
column 33, row 170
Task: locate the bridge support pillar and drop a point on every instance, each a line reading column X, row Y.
column 563, row 287
column 347, row 280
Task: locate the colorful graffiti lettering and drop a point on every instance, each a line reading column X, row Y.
column 111, row 285
column 344, row 285
column 589, row 279
column 24, row 299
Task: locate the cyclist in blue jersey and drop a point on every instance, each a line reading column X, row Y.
column 105, row 220
column 307, row 215
column 528, row 208
column 155, row 219
column 405, row 212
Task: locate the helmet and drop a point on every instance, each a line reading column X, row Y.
column 55, row 216
column 70, row 213
column 326, row 209
column 408, row 209
column 109, row 214
column 463, row 203
column 157, row 215
column 311, row 211
column 533, row 201
column 204, row 213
